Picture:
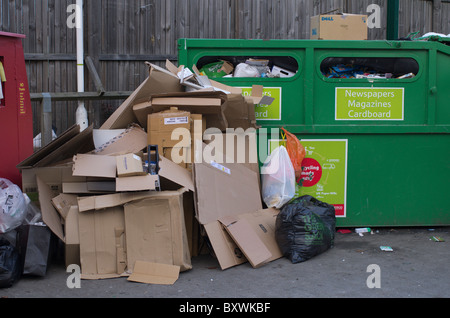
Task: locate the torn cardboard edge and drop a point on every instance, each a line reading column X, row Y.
column 131, row 140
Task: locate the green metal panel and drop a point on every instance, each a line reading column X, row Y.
column 398, row 171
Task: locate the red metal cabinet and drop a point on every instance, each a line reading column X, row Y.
column 16, row 118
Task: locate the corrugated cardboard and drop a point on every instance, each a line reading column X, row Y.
column 39, row 155
column 89, row 187
column 153, row 273
column 72, row 238
column 88, row 165
column 129, row 165
column 64, row 147
column 53, row 176
column 159, row 81
column 50, row 216
column 254, row 233
column 224, row 189
column 101, row 202
column 339, row 27
column 156, row 230
column 102, row 136
column 247, row 240
column 63, row 202
column 138, row 183
column 68, row 233
column 102, row 243
column 247, row 236
column 105, row 166
column 132, row 140
column 240, row 112
column 225, row 249
column 160, row 127
column 210, row 104
column 239, row 146
column 168, row 120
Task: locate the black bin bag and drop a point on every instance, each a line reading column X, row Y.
column 9, row 264
column 305, row 228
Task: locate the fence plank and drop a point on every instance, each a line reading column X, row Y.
column 121, row 35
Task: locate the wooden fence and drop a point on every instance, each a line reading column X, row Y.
column 120, row 35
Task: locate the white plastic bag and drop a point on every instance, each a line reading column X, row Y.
column 278, row 179
column 13, row 206
column 245, row 70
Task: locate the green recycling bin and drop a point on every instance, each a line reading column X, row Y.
column 374, row 117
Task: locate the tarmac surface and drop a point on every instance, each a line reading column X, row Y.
column 416, row 268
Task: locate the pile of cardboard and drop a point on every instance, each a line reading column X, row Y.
column 123, row 210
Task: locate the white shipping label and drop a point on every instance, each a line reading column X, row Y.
column 176, row 120
column 220, row 167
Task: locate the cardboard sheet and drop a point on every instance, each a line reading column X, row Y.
column 132, row 140
column 159, row 81
column 247, row 240
column 102, row 243
column 154, row 273
column 156, row 230
column 94, row 166
column 245, row 237
column 224, row 189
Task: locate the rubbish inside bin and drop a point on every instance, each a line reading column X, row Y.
column 250, row 66
column 217, row 69
column 360, row 67
column 305, row 228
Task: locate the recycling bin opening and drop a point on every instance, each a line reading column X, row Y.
column 369, row 67
column 248, row 66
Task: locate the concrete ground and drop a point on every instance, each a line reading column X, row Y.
column 416, row 268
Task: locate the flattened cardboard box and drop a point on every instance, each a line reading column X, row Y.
column 64, row 147
column 154, row 273
column 245, row 237
column 67, row 229
column 53, row 176
column 159, row 81
column 102, row 243
column 239, row 146
column 106, row 166
column 156, row 230
column 223, row 189
column 209, row 104
column 254, row 233
column 132, row 140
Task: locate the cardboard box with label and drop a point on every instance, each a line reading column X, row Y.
column 174, row 132
column 339, row 27
column 130, row 165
